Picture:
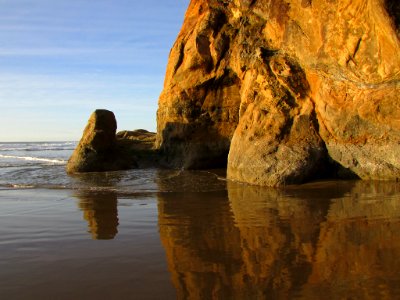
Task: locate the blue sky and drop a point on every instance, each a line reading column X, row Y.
column 62, row 59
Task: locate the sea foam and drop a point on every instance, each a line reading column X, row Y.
column 31, row 158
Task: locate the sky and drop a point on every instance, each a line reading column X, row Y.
column 62, row 59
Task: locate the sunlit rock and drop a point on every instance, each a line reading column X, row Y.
column 291, row 89
column 97, row 150
column 101, row 149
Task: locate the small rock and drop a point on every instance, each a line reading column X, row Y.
column 97, row 150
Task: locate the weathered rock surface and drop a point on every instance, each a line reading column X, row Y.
column 101, row 149
column 98, row 149
column 285, row 87
column 139, row 145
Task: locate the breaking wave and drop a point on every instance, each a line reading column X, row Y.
column 31, row 158
column 37, row 146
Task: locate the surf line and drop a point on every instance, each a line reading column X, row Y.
column 30, row 158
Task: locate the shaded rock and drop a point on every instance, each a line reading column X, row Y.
column 98, row 149
column 288, row 88
column 140, row 145
column 139, row 139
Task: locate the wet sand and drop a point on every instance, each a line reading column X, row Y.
column 200, row 237
column 62, row 244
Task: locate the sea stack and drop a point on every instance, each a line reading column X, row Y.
column 97, row 150
column 291, row 89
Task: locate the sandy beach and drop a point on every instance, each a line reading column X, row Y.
column 49, row 248
column 200, row 236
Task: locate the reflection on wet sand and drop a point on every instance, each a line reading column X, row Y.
column 319, row 241
column 101, row 213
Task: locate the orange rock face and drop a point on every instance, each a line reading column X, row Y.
column 288, row 88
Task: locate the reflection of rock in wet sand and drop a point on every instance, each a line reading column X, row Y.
column 100, row 211
column 320, row 241
column 201, row 241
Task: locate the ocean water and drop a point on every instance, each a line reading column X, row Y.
column 173, row 234
column 42, row 166
column 30, row 165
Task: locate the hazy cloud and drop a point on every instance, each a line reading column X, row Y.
column 61, row 59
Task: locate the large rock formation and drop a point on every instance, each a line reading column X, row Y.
column 289, row 88
column 98, row 149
